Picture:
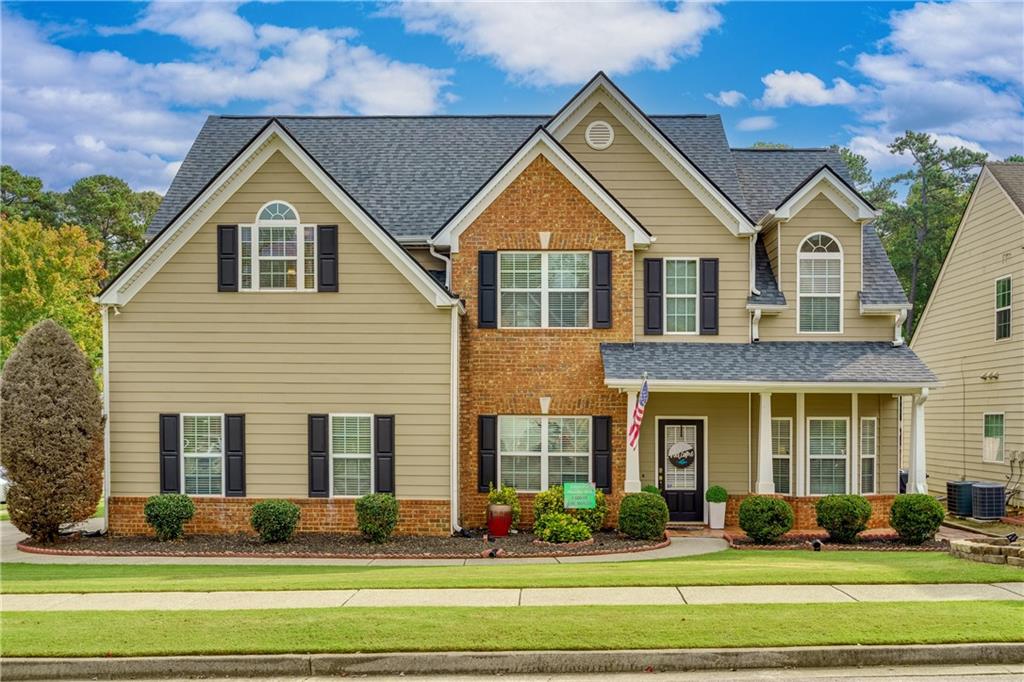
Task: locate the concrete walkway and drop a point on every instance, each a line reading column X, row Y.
column 562, row 596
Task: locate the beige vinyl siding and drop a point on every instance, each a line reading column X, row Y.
column 377, row 346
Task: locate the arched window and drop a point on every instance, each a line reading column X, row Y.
column 820, row 285
column 284, row 253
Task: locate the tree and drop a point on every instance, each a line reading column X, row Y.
column 49, row 274
column 51, row 433
column 1014, row 158
column 112, row 214
column 22, row 196
column 761, row 144
column 880, row 193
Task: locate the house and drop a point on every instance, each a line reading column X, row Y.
column 428, row 306
column 971, row 333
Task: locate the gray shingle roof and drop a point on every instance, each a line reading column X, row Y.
column 1011, row 177
column 768, row 176
column 881, row 286
column 764, row 278
column 777, row 361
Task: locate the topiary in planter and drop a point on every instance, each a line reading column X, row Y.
column 552, row 501
column 642, row 516
column 916, row 517
column 716, row 494
column 558, row 527
column 377, row 516
column 843, row 516
column 168, row 514
column 275, row 520
column 765, row 519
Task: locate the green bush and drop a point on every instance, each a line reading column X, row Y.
column 716, row 493
column 594, row 518
column 275, row 520
column 377, row 516
column 559, row 527
column 652, row 489
column 642, row 516
column 916, row 517
column 552, row 501
column 168, row 515
column 843, row 516
column 505, row 494
column 765, row 519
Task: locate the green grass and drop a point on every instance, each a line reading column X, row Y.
column 157, row 633
column 4, row 516
column 730, row 567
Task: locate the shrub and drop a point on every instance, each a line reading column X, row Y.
column 765, row 519
column 916, row 517
column 716, row 493
column 275, row 520
column 642, row 516
column 652, row 489
column 559, row 527
column 843, row 516
column 505, row 494
column 377, row 516
column 552, row 501
column 51, row 433
column 168, row 515
column 594, row 518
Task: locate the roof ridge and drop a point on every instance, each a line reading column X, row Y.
column 374, row 117
column 787, row 149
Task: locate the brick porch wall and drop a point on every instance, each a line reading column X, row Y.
column 803, row 510
column 231, row 515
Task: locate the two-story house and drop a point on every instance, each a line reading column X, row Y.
column 428, row 306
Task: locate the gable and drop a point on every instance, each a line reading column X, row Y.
column 826, row 183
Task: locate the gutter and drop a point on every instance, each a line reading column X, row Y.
column 105, row 317
column 453, row 429
column 447, row 265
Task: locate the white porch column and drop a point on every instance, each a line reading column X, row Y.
column 632, row 483
column 801, row 457
column 916, row 482
column 854, row 446
column 765, row 484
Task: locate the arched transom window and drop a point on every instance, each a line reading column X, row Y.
column 820, row 285
column 278, row 252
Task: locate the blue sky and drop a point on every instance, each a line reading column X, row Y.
column 122, row 88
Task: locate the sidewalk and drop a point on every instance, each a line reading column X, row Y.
column 560, row 596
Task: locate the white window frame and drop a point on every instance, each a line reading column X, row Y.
column 810, row 457
column 789, row 457
column 800, row 256
column 1008, row 308
column 205, row 455
column 544, row 454
column 695, row 295
column 1001, row 458
column 545, row 290
column 332, row 456
column 872, row 457
column 300, row 251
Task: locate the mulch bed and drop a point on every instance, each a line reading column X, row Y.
column 875, row 542
column 338, row 546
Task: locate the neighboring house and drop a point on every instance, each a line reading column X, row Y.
column 427, row 306
column 971, row 334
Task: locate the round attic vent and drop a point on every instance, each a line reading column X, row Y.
column 600, row 135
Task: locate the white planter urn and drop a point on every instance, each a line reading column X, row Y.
column 716, row 512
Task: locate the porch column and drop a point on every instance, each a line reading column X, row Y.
column 916, row 482
column 765, row 484
column 632, row 483
column 854, row 446
column 801, row 457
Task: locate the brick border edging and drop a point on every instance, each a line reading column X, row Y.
column 799, row 543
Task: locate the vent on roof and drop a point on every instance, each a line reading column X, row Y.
column 600, row 135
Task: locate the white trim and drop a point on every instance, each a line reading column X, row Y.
column 541, row 144
column 255, row 259
column 788, row 458
column 545, row 289
column 695, row 295
column 996, row 308
column 203, row 455
column 544, row 454
column 835, row 190
column 853, row 448
column 664, row 385
column 331, row 456
column 984, row 417
column 845, row 457
column 453, row 427
column 657, row 457
column 862, row 456
column 799, row 451
column 105, row 317
column 800, row 257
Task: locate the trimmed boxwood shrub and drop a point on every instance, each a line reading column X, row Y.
column 916, row 517
column 652, row 489
column 552, row 501
column 642, row 516
column 168, row 515
column 716, row 493
column 559, row 527
column 765, row 519
column 275, row 520
column 377, row 516
column 505, row 494
column 843, row 516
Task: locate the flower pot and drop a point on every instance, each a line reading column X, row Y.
column 499, row 520
column 716, row 512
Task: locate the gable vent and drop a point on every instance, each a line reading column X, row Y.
column 600, row 135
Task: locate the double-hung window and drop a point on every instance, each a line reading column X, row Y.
column 820, row 285
column 351, row 454
column 544, row 289
column 277, row 251
column 827, row 448
column 202, row 449
column 538, row 452
column 993, row 439
column 782, row 449
column 1003, row 296
column 681, row 295
column 868, row 455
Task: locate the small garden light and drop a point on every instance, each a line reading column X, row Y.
column 816, row 545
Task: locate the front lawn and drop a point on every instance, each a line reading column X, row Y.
column 730, row 567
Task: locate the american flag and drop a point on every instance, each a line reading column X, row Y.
column 638, row 414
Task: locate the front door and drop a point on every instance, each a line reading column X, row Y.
column 681, row 468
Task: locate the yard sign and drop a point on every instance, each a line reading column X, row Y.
column 579, row 496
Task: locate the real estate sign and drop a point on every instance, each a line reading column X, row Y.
column 579, row 496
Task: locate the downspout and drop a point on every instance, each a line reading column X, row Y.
column 752, row 261
column 901, row 317
column 447, row 265
column 105, row 317
column 755, row 318
column 453, row 408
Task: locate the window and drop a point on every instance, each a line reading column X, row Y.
column 868, row 454
column 544, row 289
column 1003, row 296
column 680, row 296
column 536, row 453
column 820, row 286
column 992, row 448
column 351, row 454
column 782, row 444
column 284, row 256
column 202, row 447
column 827, row 447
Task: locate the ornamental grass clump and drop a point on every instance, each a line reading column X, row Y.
column 643, row 516
column 168, row 514
column 916, row 517
column 765, row 519
column 377, row 516
column 275, row 520
column 559, row 527
column 552, row 501
column 843, row 516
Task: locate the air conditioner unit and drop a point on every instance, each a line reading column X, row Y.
column 988, row 501
column 958, row 497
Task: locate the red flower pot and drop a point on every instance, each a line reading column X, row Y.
column 499, row 520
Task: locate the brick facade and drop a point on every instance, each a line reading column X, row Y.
column 804, row 515
column 507, row 371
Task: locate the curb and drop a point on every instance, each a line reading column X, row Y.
column 514, row 662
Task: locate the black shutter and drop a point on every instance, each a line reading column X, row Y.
column 653, row 293
column 319, row 457
column 170, row 454
column 603, row 453
column 234, row 455
column 326, row 257
column 487, row 300
column 709, row 296
column 602, row 289
column 227, row 258
column 384, row 454
column 487, row 449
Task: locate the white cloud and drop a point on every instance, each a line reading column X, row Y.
column 756, row 123
column 557, row 43
column 727, row 98
column 784, row 88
